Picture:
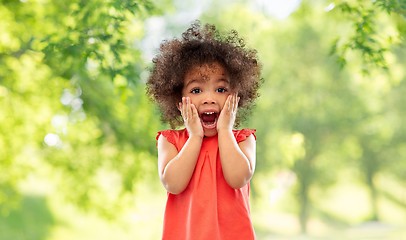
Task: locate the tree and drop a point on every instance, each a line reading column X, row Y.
column 305, row 98
column 70, row 82
column 376, row 27
column 377, row 37
column 313, row 113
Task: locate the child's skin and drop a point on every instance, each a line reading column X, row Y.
column 207, row 89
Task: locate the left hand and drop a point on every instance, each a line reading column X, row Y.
column 228, row 113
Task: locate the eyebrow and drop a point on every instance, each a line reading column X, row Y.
column 223, row 80
column 200, row 81
column 193, row 81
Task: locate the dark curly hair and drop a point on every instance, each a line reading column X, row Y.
column 202, row 45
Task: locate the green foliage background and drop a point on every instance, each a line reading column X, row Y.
column 77, row 133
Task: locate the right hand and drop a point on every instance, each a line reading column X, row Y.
column 191, row 118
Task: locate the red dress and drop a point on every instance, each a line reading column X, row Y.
column 208, row 209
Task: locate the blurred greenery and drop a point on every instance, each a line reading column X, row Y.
column 77, row 133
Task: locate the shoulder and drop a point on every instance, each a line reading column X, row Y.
column 172, row 136
column 244, row 134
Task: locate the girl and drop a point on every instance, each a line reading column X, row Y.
column 200, row 81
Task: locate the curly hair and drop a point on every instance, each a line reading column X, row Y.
column 202, row 45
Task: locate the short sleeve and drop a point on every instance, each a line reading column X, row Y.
column 241, row 135
column 169, row 135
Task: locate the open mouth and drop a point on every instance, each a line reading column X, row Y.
column 209, row 119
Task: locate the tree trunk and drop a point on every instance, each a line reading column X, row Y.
column 304, row 174
column 373, row 196
column 304, row 200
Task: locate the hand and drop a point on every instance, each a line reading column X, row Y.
column 228, row 113
column 191, row 118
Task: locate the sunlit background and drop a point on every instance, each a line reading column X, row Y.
column 77, row 133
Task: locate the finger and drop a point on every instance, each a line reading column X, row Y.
column 181, row 109
column 194, row 110
column 228, row 102
column 231, row 102
column 184, row 105
column 235, row 102
column 188, row 108
column 232, row 105
column 238, row 101
column 234, row 98
column 187, row 111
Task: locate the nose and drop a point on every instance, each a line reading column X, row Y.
column 209, row 99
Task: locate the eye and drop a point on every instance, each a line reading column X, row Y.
column 196, row 90
column 221, row 90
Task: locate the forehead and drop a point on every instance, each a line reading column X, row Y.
column 205, row 72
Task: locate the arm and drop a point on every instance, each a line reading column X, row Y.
column 237, row 160
column 176, row 169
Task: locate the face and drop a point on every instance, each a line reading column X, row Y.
column 207, row 86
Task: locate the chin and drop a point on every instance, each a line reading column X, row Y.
column 210, row 132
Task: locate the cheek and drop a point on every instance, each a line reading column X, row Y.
column 223, row 102
column 193, row 99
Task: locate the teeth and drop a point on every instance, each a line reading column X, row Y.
column 209, row 113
